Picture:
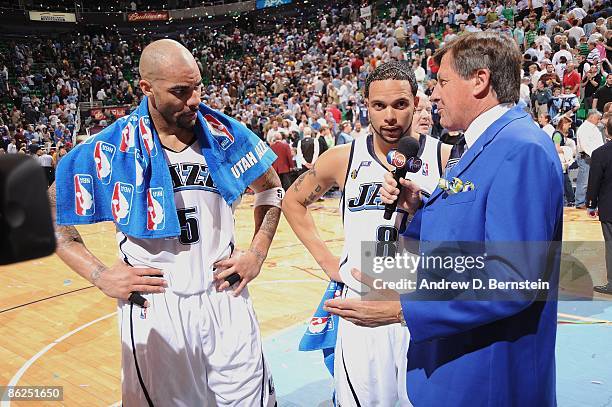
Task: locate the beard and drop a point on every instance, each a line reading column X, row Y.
column 390, row 140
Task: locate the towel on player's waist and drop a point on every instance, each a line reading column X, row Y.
column 322, row 331
column 121, row 173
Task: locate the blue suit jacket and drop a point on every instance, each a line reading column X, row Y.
column 491, row 352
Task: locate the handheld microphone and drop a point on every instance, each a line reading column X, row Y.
column 404, row 159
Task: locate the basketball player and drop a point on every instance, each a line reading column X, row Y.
column 195, row 343
column 370, row 363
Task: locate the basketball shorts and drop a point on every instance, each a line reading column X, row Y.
column 370, row 365
column 197, row 350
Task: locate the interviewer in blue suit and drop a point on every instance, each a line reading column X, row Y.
column 498, row 347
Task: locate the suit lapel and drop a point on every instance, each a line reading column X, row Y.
column 480, row 144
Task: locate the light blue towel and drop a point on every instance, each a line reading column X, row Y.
column 322, row 331
column 121, row 174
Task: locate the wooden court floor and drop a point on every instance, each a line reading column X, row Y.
column 58, row 330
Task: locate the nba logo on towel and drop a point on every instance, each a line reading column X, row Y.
column 128, row 134
column 155, row 209
column 147, row 135
column 103, row 157
column 141, row 164
column 84, row 195
column 122, row 202
column 318, row 324
column 219, row 132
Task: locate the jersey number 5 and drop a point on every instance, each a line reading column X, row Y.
column 190, row 228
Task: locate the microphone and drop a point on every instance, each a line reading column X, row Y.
column 404, row 159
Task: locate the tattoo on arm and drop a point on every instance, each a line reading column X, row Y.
column 270, row 221
column 301, row 178
column 298, row 182
column 64, row 235
column 270, row 180
column 95, row 275
column 314, row 195
column 259, row 254
column 67, row 235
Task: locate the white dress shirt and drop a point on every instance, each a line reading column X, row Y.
column 482, row 122
column 589, row 137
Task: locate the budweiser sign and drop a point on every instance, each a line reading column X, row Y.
column 148, row 16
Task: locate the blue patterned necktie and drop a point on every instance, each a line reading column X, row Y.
column 456, row 152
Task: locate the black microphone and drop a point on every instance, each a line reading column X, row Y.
column 404, row 159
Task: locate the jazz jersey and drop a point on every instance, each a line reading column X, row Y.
column 362, row 208
column 207, row 228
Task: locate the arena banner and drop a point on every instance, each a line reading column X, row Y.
column 366, row 12
column 271, row 3
column 117, row 111
column 52, row 16
column 147, row 16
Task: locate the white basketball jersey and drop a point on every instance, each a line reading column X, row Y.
column 207, row 228
column 362, row 209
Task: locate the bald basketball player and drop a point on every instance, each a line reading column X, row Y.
column 197, row 341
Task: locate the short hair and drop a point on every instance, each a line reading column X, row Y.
column 497, row 53
column 593, row 113
column 393, row 70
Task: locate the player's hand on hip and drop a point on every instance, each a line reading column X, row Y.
column 120, row 280
column 244, row 263
column 409, row 197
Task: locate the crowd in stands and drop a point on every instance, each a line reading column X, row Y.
column 304, row 80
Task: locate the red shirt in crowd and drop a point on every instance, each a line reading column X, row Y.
column 572, row 79
column 284, row 162
column 336, row 113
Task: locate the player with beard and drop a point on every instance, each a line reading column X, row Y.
column 370, row 364
column 196, row 340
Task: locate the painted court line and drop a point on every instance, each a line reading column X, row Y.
column 15, row 379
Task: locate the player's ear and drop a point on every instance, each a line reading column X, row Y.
column 146, row 87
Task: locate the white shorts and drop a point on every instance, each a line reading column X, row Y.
column 197, row 350
column 370, row 365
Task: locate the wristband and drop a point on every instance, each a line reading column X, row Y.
column 270, row 197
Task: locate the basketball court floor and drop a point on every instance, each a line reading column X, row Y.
column 58, row 330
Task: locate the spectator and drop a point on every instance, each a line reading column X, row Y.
column 589, row 138
column 12, row 147
column 603, row 95
column 345, row 135
column 544, row 122
column 284, row 163
column 559, row 137
column 571, row 79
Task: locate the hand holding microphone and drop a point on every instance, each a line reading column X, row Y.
column 396, row 188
